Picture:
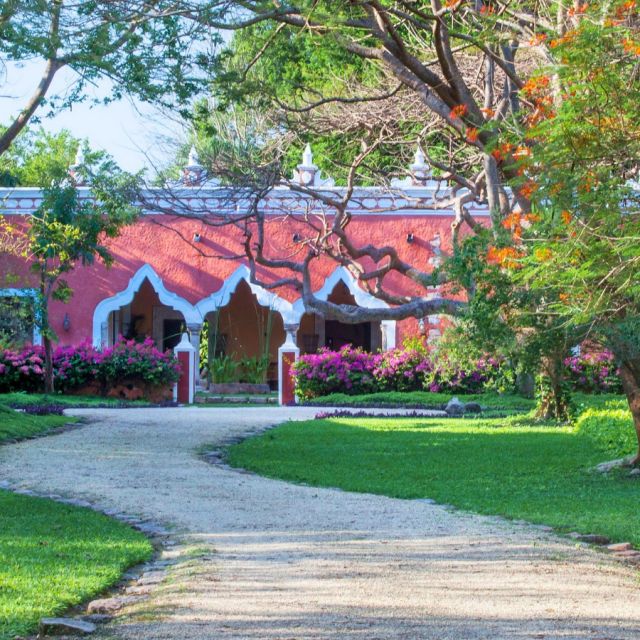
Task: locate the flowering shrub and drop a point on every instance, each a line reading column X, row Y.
column 348, row 370
column 593, row 373
column 21, row 371
column 354, row 371
column 131, row 360
column 75, row 367
column 402, row 369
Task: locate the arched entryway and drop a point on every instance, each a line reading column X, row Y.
column 144, row 308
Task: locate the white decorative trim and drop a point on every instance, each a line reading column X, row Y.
column 341, row 274
column 265, row 298
column 115, row 302
column 12, row 292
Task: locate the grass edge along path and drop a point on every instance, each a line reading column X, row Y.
column 512, row 467
column 54, row 556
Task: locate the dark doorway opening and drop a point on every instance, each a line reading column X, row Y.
column 172, row 332
column 338, row 334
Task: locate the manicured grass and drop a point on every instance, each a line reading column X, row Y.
column 512, row 466
column 506, row 402
column 21, row 399
column 54, row 556
column 14, row 425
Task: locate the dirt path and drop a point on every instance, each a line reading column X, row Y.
column 278, row 561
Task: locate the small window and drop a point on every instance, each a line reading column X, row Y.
column 16, row 320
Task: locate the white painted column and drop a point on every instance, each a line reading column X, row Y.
column 195, row 330
column 388, row 330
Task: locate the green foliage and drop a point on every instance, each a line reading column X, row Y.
column 55, row 556
column 223, row 368
column 513, row 467
column 609, row 427
column 37, row 158
column 254, row 370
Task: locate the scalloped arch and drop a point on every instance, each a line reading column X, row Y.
column 124, row 297
column 265, row 298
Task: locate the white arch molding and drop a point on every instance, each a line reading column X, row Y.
column 124, row 297
column 265, row 297
column 195, row 314
column 361, row 297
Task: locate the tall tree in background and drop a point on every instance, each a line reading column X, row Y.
column 36, row 158
column 153, row 50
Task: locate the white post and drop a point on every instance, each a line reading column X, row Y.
column 185, row 389
column 288, row 353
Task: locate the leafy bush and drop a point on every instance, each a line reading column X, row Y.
column 75, row 367
column 22, row 371
column 254, row 370
column 610, row 427
column 593, row 373
column 223, row 368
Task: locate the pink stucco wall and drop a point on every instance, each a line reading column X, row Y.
column 186, row 272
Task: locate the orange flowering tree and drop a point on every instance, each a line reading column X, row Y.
column 581, row 250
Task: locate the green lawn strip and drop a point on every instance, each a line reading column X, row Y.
column 507, row 402
column 20, row 399
column 511, row 467
column 16, row 425
column 53, row 556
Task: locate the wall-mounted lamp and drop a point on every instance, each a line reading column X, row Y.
column 196, row 237
column 296, row 237
column 66, row 322
column 410, row 238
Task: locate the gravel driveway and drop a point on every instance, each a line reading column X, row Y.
column 279, row 561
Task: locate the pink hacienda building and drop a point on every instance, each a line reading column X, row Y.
column 164, row 279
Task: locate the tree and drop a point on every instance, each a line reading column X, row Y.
column 37, row 157
column 582, row 251
column 69, row 229
column 145, row 48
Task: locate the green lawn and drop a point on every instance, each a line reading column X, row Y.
column 20, row 399
column 512, row 466
column 15, row 425
column 53, row 556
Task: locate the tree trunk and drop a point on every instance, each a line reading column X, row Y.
column 554, row 402
column 630, row 378
column 48, row 365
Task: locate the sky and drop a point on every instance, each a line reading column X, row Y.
column 137, row 135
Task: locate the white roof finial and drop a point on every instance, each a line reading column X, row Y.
column 307, row 157
column 79, row 161
column 193, row 160
column 419, row 160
